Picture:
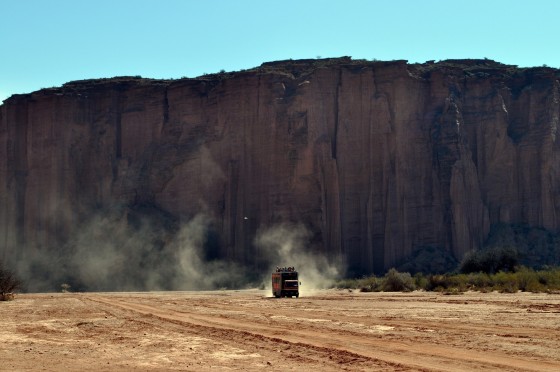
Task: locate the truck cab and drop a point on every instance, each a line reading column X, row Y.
column 285, row 282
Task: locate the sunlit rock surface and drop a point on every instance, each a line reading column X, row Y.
column 374, row 159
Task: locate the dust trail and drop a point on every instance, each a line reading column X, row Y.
column 131, row 249
column 143, row 248
column 192, row 270
column 287, row 245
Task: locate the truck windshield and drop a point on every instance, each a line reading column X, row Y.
column 291, row 284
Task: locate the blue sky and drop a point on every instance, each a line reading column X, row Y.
column 47, row 43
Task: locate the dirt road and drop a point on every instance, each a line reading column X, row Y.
column 329, row 330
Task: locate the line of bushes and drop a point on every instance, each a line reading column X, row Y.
column 521, row 279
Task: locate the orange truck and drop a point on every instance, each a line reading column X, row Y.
column 285, row 282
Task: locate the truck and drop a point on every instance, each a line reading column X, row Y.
column 285, row 282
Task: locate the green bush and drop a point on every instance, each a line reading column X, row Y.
column 420, row 281
column 480, row 280
column 527, row 279
column 490, row 260
column 395, row 281
column 550, row 278
column 370, row 284
column 346, row 284
column 365, row 284
column 437, row 282
column 505, row 282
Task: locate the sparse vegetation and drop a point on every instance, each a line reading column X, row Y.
column 508, row 247
column 9, row 283
column 521, row 279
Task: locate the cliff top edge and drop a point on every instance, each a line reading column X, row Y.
column 300, row 68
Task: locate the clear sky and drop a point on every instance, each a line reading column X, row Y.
column 45, row 43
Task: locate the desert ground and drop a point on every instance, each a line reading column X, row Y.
column 327, row 330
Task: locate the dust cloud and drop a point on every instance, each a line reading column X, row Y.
column 286, row 245
column 193, row 271
column 142, row 248
column 130, row 249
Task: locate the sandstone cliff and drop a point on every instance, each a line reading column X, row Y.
column 375, row 159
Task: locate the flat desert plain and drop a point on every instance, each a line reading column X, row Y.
column 249, row 330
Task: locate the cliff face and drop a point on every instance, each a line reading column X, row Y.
column 375, row 159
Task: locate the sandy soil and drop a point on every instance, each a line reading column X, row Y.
column 330, row 330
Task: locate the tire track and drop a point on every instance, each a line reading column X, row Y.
column 213, row 328
column 346, row 348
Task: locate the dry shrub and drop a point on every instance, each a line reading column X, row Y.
column 6, row 296
column 9, row 283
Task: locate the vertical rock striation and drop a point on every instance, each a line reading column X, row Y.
column 376, row 159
